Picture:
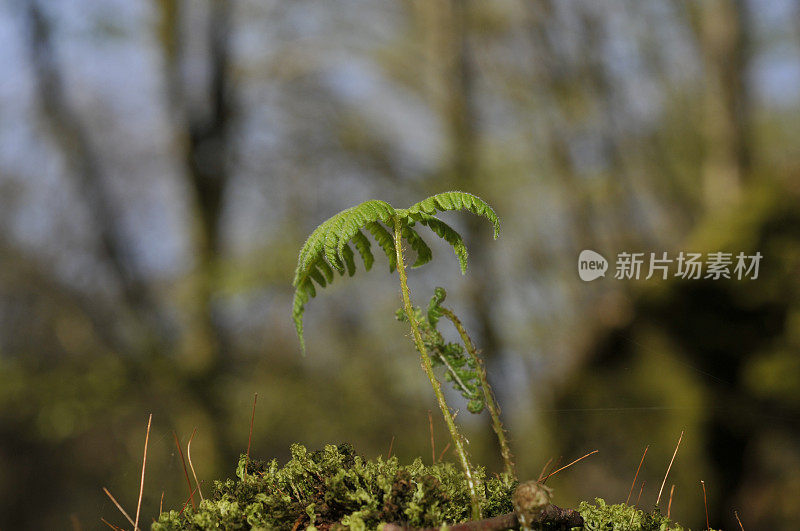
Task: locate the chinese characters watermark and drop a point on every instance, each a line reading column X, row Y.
column 690, row 266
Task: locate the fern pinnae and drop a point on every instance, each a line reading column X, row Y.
column 457, row 201
column 349, row 259
column 310, row 252
column 385, row 241
column 357, row 218
column 363, row 247
column 424, row 253
column 448, row 234
column 302, row 295
column 327, row 270
column 317, row 275
column 332, row 238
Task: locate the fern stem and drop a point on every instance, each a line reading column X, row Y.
column 491, row 401
column 428, row 367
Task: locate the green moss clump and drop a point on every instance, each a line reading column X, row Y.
column 621, row 517
column 335, row 489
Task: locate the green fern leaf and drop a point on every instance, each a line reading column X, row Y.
column 309, row 253
column 332, row 238
column 448, row 234
column 424, row 253
column 349, row 260
column 302, row 295
column 328, row 247
column 326, row 270
column 363, row 247
column 316, row 275
column 456, row 201
column 435, row 306
column 385, row 241
column 354, row 219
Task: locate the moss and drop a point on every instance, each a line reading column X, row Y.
column 621, row 517
column 337, row 489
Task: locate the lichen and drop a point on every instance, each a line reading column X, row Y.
column 335, row 489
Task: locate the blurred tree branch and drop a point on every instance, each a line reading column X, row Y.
column 203, row 140
column 86, row 167
column 722, row 34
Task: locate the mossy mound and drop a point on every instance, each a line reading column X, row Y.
column 620, row 517
column 337, row 489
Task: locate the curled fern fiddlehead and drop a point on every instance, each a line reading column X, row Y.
column 327, row 250
column 465, row 368
column 461, row 369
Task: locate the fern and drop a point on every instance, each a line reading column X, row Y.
column 328, row 249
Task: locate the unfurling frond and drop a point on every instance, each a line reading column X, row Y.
column 328, row 247
column 461, row 369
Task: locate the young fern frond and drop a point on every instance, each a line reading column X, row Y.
column 456, row 201
column 464, row 366
column 328, row 247
column 461, row 369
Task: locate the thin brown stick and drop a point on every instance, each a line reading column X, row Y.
column 558, row 462
column 191, row 466
column 736, row 514
column 640, row 493
column 705, row 503
column 187, row 500
column 541, row 474
column 636, row 475
column 391, row 443
column 76, row 524
column 669, row 505
column 252, row 419
column 144, row 465
column 658, row 499
column 112, row 526
column 433, row 445
column 185, row 471
column 161, row 503
column 447, row 447
column 118, row 506
column 569, row 465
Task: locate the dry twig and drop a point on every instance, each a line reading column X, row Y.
column 658, row 499
column 144, row 465
column 191, row 466
column 185, row 471
column 569, row 465
column 628, row 499
column 118, row 506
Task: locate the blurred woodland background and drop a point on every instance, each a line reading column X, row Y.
column 161, row 163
